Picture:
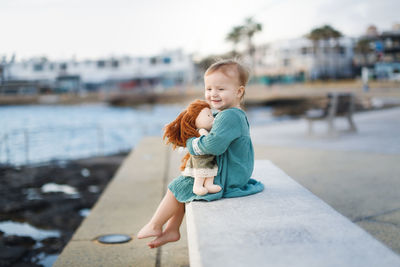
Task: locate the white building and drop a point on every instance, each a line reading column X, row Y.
column 168, row 69
column 302, row 58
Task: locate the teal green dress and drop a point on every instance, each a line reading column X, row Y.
column 229, row 140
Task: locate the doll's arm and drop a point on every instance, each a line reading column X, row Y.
column 203, row 131
column 226, row 128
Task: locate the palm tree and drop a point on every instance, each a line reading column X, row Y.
column 235, row 36
column 250, row 28
column 325, row 32
column 363, row 49
column 244, row 32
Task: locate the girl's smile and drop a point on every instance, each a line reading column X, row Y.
column 222, row 91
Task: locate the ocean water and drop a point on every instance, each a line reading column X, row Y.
column 39, row 134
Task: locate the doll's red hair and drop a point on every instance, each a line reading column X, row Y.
column 184, row 127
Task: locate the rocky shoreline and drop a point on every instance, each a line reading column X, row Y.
column 51, row 198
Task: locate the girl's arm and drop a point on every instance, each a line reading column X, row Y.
column 226, row 128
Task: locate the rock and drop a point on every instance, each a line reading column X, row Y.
column 53, row 245
column 65, row 221
column 53, row 211
column 8, row 207
column 14, row 240
column 9, row 255
column 63, row 214
column 16, row 206
column 26, row 264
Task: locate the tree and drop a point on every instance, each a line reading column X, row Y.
column 246, row 33
column 235, row 36
column 249, row 29
column 364, row 49
column 325, row 32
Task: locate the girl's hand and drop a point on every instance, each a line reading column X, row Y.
column 203, row 131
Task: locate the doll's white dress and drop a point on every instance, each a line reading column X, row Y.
column 201, row 166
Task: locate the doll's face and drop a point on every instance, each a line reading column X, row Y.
column 205, row 119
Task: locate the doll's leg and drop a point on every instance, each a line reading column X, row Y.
column 171, row 232
column 198, row 186
column 167, row 208
column 211, row 187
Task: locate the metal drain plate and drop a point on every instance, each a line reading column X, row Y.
column 114, row 239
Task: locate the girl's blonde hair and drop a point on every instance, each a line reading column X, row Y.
column 225, row 65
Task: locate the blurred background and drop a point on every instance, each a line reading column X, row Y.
column 81, row 82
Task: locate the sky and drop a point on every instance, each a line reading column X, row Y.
column 89, row 29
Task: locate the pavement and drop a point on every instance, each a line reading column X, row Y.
column 355, row 173
column 125, row 206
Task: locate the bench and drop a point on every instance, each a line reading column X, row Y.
column 339, row 104
column 285, row 225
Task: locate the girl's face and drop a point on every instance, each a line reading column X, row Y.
column 222, row 91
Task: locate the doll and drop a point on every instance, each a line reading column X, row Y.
column 196, row 120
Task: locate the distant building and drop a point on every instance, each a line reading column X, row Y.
column 168, row 69
column 380, row 52
column 301, row 59
column 372, row 31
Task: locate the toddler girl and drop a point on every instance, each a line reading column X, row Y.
column 229, row 140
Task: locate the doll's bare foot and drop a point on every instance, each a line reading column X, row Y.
column 149, row 230
column 200, row 191
column 213, row 188
column 165, row 237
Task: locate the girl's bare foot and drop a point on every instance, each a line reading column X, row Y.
column 165, row 237
column 149, row 230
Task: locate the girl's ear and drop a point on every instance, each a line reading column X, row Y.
column 241, row 91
